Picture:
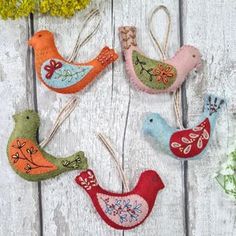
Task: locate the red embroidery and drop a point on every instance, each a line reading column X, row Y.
column 52, row 67
column 191, row 142
column 163, row 73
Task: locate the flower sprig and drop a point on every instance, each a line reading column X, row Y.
column 14, row 9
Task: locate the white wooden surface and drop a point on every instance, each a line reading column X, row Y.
column 111, row 105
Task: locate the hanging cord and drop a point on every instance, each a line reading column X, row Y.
column 163, row 50
column 72, row 102
column 150, row 29
column 91, row 15
column 113, row 155
column 63, row 114
column 177, row 107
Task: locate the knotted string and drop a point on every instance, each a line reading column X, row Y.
column 113, row 155
column 163, row 50
column 91, row 15
column 63, row 114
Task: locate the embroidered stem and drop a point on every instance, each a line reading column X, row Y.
column 150, row 29
column 142, row 63
column 92, row 14
column 113, row 155
column 64, row 113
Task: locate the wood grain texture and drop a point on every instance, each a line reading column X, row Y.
column 138, row 154
column 213, row 31
column 18, row 198
column 112, row 106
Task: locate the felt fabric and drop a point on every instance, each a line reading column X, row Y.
column 188, row 143
column 153, row 76
column 31, row 162
column 127, row 210
column 226, row 176
column 60, row 75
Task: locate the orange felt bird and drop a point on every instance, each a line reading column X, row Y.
column 60, row 75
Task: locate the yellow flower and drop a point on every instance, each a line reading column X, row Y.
column 19, row 8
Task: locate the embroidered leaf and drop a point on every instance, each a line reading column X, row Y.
column 197, row 128
column 199, row 143
column 185, row 140
column 187, row 149
column 205, row 134
column 193, row 135
column 175, row 145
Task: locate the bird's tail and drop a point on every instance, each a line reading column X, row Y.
column 74, row 162
column 107, row 56
column 127, row 37
column 87, row 180
column 212, row 105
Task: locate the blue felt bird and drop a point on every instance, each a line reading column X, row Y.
column 187, row 143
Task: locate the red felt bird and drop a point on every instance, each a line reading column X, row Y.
column 126, row 210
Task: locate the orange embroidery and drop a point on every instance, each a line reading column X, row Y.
column 27, row 158
column 163, row 73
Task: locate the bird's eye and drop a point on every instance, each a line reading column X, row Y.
column 40, row 35
column 193, row 55
column 151, row 120
column 27, row 117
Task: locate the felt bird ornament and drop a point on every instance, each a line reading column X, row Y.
column 126, row 210
column 63, row 76
column 188, row 143
column 153, row 76
column 29, row 160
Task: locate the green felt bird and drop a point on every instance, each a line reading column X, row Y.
column 29, row 160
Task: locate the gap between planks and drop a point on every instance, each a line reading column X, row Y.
column 184, row 111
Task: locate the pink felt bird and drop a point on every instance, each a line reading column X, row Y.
column 153, row 76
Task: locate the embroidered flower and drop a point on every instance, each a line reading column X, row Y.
column 163, row 73
column 31, row 150
column 52, row 67
column 15, row 157
column 123, row 209
column 19, row 144
column 28, row 168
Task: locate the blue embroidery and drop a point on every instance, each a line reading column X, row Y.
column 65, row 76
column 125, row 210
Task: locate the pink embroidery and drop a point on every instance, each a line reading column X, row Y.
column 52, row 67
column 124, row 211
column 190, row 142
column 88, row 182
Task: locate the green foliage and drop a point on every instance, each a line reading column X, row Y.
column 14, row 9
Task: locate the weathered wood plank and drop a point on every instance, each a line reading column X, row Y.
column 210, row 25
column 137, row 152
column 18, row 198
column 67, row 210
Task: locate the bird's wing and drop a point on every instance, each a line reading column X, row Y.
column 191, row 142
column 59, row 74
column 26, row 158
column 153, row 74
column 125, row 211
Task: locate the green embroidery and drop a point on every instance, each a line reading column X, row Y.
column 154, row 74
